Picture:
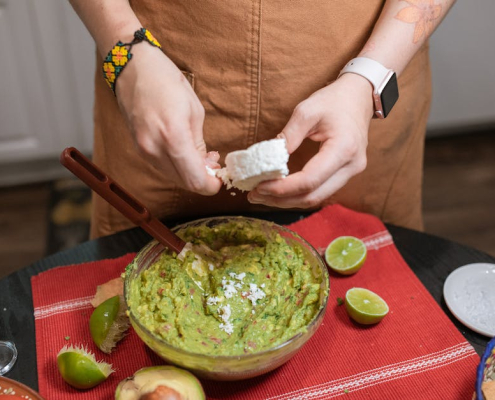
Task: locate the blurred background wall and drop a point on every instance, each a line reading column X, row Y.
column 462, row 57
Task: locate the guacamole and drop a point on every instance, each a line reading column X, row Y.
column 253, row 292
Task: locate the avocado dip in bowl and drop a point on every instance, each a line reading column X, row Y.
column 233, row 313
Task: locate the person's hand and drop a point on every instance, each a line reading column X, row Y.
column 166, row 119
column 337, row 116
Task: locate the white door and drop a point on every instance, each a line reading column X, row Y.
column 46, row 73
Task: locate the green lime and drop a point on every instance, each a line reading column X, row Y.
column 80, row 369
column 364, row 306
column 346, row 255
column 109, row 323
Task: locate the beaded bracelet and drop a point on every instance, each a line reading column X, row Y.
column 119, row 56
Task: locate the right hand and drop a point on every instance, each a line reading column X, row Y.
column 166, row 119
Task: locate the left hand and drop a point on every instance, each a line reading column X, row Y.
column 337, row 116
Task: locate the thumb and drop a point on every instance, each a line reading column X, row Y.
column 300, row 125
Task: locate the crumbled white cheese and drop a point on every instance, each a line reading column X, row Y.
column 255, row 293
column 224, row 177
column 229, row 288
column 210, row 171
column 239, row 277
column 211, row 301
column 262, row 161
column 228, row 327
column 196, row 266
column 211, row 266
column 225, row 312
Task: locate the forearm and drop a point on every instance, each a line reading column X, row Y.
column 401, row 30
column 108, row 21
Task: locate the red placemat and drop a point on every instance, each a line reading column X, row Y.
column 414, row 353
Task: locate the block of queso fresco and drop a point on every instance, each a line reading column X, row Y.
column 245, row 169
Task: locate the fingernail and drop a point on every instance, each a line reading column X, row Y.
column 262, row 192
column 253, row 199
column 213, row 155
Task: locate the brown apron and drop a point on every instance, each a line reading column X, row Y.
column 251, row 63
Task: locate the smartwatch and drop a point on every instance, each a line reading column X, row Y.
column 383, row 80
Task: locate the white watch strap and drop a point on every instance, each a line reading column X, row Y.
column 369, row 69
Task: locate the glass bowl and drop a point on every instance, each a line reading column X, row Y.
column 234, row 367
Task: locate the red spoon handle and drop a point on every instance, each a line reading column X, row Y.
column 118, row 197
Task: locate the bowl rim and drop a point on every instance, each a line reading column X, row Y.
column 317, row 318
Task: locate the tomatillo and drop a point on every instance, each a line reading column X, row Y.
column 80, row 369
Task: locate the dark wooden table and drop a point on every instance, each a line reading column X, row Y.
column 431, row 258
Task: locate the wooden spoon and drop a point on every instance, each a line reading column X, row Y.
column 115, row 195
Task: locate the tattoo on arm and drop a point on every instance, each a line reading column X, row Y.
column 422, row 13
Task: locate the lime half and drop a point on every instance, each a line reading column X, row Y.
column 109, row 323
column 364, row 306
column 80, row 369
column 346, row 255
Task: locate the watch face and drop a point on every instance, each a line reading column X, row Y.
column 389, row 95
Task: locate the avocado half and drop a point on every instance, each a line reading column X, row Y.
column 160, row 383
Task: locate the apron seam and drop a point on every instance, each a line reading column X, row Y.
column 254, row 64
column 258, row 75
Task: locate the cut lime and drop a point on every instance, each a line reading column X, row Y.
column 80, row 369
column 109, row 323
column 346, row 255
column 364, row 306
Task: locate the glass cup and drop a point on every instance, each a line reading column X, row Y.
column 8, row 356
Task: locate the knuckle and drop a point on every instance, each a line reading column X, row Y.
column 173, row 129
column 194, row 185
column 303, row 112
column 361, row 163
column 145, row 143
column 311, row 201
column 310, row 184
column 277, row 191
column 348, row 152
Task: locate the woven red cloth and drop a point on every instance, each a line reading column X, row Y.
column 414, row 353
